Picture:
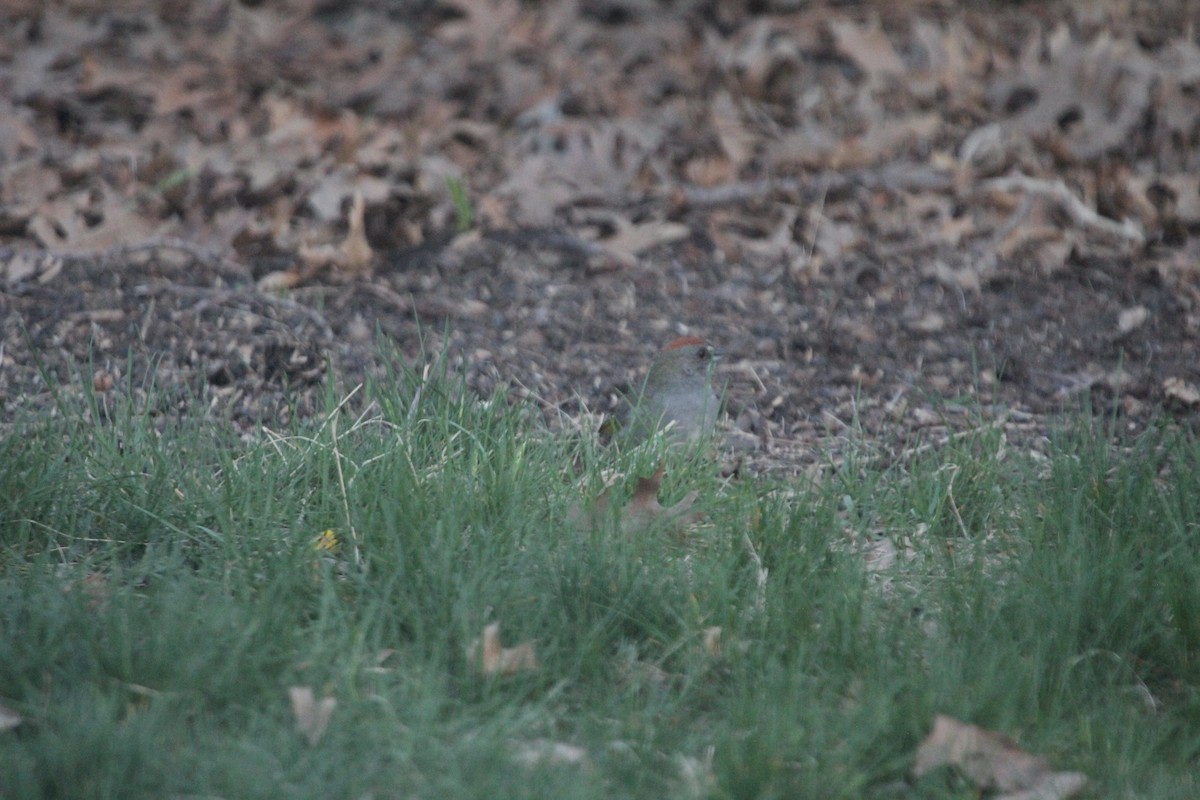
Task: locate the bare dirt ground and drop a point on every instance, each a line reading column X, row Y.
column 898, row 219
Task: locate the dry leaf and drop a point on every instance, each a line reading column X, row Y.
column 1104, row 86
column 710, row 170
column 496, row 659
column 1132, row 318
column 87, row 221
column 315, row 258
column 968, row 277
column 351, row 257
column 760, row 55
column 1052, row 786
column 696, row 774
column 633, row 239
column 326, row 198
column 929, row 322
column 574, row 162
column 644, row 510
column 381, row 658
column 867, row 46
column 712, row 641
column 992, row 762
column 355, row 253
column 20, row 267
column 9, row 719
column 327, row 541
column 543, row 751
column 279, row 280
column 312, row 717
column 1182, row 392
column 882, row 141
column 1081, row 213
column 94, row 586
column 880, row 554
column 737, row 140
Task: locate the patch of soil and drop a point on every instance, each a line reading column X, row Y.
column 903, row 220
column 883, row 348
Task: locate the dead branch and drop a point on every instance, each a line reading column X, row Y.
column 225, row 266
column 892, row 177
column 1079, row 212
column 227, row 297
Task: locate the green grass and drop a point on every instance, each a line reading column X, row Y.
column 160, row 590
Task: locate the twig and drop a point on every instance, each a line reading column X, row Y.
column 223, row 296
column 337, row 462
column 205, row 255
column 331, row 421
column 1076, row 209
column 227, row 266
column 564, row 242
column 1000, row 422
column 893, row 177
column 953, row 469
column 761, row 572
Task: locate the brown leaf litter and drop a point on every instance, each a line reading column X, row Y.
column 993, row 763
column 642, row 511
column 493, row 658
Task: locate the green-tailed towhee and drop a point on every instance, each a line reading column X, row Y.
column 677, row 392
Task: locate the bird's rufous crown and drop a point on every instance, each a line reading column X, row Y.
column 684, row 341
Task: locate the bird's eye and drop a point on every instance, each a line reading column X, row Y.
column 702, row 353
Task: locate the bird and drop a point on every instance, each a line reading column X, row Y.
column 677, row 395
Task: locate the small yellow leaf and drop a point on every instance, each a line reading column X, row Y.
column 328, row 541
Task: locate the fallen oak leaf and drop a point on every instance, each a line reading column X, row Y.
column 643, row 509
column 868, row 46
column 633, row 239
column 312, row 717
column 493, row 658
column 355, row 254
column 992, row 762
column 351, row 257
column 989, row 760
